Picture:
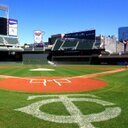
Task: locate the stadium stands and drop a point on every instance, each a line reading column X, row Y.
column 11, row 40
column 75, row 50
column 85, row 44
column 9, row 44
column 96, row 44
column 6, row 40
column 1, row 41
column 69, row 44
column 73, row 44
column 57, row 44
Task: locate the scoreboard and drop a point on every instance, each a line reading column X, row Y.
column 3, row 26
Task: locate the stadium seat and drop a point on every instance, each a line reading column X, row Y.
column 11, row 40
column 57, row 44
column 85, row 44
column 69, row 44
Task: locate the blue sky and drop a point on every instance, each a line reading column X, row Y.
column 63, row 16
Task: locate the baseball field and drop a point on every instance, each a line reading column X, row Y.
column 63, row 96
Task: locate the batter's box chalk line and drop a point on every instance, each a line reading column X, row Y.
column 45, row 82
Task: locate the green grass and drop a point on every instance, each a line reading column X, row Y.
column 116, row 92
column 68, row 70
column 52, row 108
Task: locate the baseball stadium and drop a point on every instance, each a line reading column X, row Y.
column 78, row 80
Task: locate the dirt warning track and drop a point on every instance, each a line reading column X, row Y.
column 54, row 84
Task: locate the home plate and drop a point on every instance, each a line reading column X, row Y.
column 42, row 69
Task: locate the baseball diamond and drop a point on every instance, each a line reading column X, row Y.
column 73, row 107
column 70, row 79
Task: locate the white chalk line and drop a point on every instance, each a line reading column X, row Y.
column 44, row 82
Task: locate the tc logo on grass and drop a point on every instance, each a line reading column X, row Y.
column 76, row 116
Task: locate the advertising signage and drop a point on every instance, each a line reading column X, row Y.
column 90, row 35
column 38, row 36
column 12, row 27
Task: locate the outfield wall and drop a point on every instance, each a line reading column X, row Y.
column 35, row 58
column 87, row 57
column 113, row 60
column 71, row 59
column 76, row 56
